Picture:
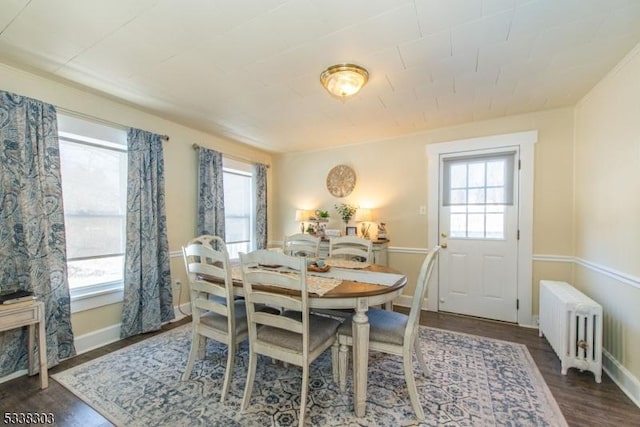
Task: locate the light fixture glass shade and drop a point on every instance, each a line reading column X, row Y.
column 344, row 80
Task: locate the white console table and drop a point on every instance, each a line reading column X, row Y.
column 379, row 251
column 28, row 314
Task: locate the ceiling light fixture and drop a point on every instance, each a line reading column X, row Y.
column 344, row 80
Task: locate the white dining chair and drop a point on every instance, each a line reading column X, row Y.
column 394, row 333
column 301, row 245
column 351, row 247
column 295, row 337
column 215, row 313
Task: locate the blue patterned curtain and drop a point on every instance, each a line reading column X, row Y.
column 32, row 241
column 210, row 193
column 148, row 301
column 260, row 172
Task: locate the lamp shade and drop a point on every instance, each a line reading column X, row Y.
column 363, row 215
column 302, row 215
column 344, row 80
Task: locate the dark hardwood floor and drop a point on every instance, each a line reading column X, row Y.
column 582, row 401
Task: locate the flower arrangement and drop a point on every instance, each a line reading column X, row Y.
column 346, row 211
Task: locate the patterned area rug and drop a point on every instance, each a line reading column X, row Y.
column 472, row 381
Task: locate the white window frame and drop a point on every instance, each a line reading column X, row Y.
column 100, row 294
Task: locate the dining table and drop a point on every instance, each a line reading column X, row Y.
column 354, row 286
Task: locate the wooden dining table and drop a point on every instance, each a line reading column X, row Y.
column 357, row 295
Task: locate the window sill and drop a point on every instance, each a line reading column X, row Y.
column 87, row 299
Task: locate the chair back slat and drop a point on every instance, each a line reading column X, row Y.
column 301, row 245
column 277, row 321
column 350, row 247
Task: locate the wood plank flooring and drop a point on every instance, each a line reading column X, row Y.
column 582, row 401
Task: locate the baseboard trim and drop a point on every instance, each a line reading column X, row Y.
column 407, row 300
column 96, row 339
column 13, row 375
column 624, row 379
column 111, row 334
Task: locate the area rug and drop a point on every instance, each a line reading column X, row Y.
column 472, row 381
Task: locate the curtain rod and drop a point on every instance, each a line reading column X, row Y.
column 196, row 147
column 99, row 120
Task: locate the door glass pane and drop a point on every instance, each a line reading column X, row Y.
column 476, row 225
column 477, row 191
column 495, row 173
column 495, row 195
column 476, row 175
column 459, row 176
column 458, row 197
column 476, row 196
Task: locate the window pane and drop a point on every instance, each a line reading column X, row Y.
column 476, row 175
column 495, row 195
column 458, row 175
column 476, row 225
column 95, row 271
column 458, row 197
column 495, row 173
column 92, row 179
column 93, row 235
column 476, row 196
column 234, row 249
column 495, row 226
column 238, row 211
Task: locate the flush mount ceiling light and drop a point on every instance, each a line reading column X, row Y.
column 344, row 80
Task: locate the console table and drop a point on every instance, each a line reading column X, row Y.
column 28, row 314
column 379, row 251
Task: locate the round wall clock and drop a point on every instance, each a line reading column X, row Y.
column 341, row 180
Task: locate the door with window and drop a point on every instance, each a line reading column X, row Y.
column 478, row 232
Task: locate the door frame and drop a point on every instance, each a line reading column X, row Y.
column 525, row 140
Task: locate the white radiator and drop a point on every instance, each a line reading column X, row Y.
column 572, row 323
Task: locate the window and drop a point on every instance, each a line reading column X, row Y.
column 93, row 160
column 239, row 211
column 477, row 189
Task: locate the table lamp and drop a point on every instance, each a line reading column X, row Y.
column 363, row 216
column 302, row 216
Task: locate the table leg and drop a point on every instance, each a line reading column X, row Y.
column 31, row 340
column 360, row 356
column 42, row 347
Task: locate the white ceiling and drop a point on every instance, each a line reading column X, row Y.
column 249, row 69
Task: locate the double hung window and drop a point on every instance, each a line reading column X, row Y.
column 239, row 210
column 93, row 159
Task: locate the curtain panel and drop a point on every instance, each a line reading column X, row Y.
column 260, row 173
column 32, row 231
column 148, row 301
column 210, row 193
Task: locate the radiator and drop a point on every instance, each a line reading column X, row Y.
column 572, row 323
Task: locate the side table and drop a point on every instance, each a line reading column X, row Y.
column 28, row 314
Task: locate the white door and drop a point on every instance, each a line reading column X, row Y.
column 478, row 232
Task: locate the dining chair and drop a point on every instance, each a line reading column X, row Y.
column 295, row 337
column 394, row 333
column 351, row 247
column 301, row 245
column 215, row 313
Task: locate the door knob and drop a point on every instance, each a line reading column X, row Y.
column 443, row 234
column 443, row 245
